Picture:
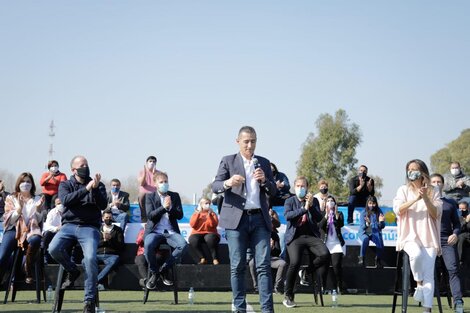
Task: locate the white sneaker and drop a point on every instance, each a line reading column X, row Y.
column 459, row 307
column 418, row 295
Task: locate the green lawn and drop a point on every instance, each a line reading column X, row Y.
column 206, row 302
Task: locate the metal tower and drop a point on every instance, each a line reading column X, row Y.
column 51, row 136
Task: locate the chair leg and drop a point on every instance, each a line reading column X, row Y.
column 175, row 284
column 10, row 285
column 397, row 282
column 405, row 281
column 437, row 293
column 59, row 293
column 146, row 290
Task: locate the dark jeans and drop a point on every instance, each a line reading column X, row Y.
column 449, row 254
column 9, row 244
column 375, row 238
column 212, row 240
column 353, row 202
column 337, row 264
column 110, row 261
column 295, row 250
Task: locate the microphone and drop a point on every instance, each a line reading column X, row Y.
column 256, row 165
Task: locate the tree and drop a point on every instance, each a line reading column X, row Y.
column 8, row 179
column 330, row 154
column 457, row 150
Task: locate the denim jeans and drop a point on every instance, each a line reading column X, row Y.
column 250, row 233
column 450, row 257
column 88, row 238
column 122, row 219
column 153, row 240
column 110, row 261
column 9, row 244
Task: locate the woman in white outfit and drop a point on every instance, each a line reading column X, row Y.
column 418, row 209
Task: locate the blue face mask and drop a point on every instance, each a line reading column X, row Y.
column 115, row 189
column 413, row 175
column 163, row 187
column 300, row 192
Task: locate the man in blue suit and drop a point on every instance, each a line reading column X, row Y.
column 247, row 182
column 164, row 209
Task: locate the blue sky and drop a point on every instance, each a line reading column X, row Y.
column 126, row 79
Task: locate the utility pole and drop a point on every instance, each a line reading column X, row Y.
column 51, row 144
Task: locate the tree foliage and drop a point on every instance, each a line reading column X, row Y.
column 457, row 150
column 330, row 153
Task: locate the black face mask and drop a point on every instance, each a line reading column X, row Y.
column 108, row 222
column 324, row 191
column 464, row 213
column 83, row 172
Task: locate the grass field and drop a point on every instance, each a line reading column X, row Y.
column 206, row 302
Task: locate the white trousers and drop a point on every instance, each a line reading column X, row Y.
column 422, row 262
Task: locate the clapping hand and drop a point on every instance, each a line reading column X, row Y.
column 167, row 202
column 381, row 218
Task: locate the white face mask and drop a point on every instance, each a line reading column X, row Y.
column 331, row 205
column 206, row 206
column 455, row 171
column 25, row 187
column 150, row 165
column 54, row 169
column 60, row 208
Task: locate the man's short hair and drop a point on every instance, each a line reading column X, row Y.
column 115, row 180
column 437, row 175
column 154, row 158
column 107, row 211
column 247, row 129
column 301, row 178
column 159, row 174
column 463, row 202
column 364, row 167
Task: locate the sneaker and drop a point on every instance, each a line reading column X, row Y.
column 303, row 278
column 459, row 307
column 89, row 307
column 142, row 282
column 100, row 287
column 288, row 303
column 152, row 281
column 360, row 260
column 215, row 262
column 166, row 281
column 418, row 295
column 70, row 279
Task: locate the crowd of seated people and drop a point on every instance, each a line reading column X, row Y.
column 313, row 223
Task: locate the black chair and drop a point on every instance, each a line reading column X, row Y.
column 59, row 292
column 167, row 248
column 403, row 268
column 14, row 280
column 316, row 280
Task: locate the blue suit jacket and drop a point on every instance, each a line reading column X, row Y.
column 293, row 212
column 155, row 211
column 235, row 198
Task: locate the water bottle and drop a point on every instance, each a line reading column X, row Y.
column 191, row 296
column 334, row 299
column 50, row 294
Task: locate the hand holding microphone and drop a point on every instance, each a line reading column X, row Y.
column 258, row 173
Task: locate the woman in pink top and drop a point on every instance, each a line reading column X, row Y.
column 146, row 184
column 418, row 209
